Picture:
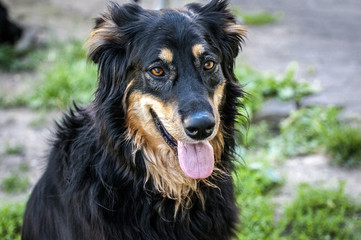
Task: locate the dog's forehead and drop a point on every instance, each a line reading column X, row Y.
column 173, row 32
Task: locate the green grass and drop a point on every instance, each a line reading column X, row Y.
column 261, row 18
column 254, row 185
column 303, row 131
column 315, row 213
column 12, row 60
column 321, row 214
column 258, row 18
column 11, row 217
column 14, row 149
column 317, row 129
column 65, row 76
column 343, row 145
column 15, row 183
column 261, row 87
column 71, row 78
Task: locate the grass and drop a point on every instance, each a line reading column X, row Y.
column 15, row 183
column 14, row 149
column 315, row 213
column 318, row 129
column 321, row 214
column 303, row 131
column 12, row 60
column 264, row 86
column 71, row 78
column 258, row 18
column 65, row 76
column 261, row 18
column 254, row 186
column 343, row 144
column 11, row 217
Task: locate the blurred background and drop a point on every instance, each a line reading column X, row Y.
column 298, row 175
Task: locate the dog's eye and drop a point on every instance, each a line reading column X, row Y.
column 208, row 65
column 157, row 71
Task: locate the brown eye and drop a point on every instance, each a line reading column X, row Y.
column 208, row 65
column 157, row 71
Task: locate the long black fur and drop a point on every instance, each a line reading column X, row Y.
column 92, row 189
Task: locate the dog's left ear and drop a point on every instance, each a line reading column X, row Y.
column 221, row 23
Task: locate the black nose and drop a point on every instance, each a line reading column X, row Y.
column 199, row 125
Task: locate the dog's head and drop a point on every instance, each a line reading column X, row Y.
column 171, row 73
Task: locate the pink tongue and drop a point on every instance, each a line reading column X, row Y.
column 196, row 160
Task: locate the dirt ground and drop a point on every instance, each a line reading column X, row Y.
column 321, row 35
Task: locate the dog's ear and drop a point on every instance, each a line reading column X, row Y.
column 113, row 30
column 221, row 24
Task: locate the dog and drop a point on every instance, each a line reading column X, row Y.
column 9, row 31
column 151, row 156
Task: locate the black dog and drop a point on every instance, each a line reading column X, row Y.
column 9, row 32
column 151, row 157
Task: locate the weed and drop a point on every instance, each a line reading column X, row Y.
column 343, row 144
column 321, row 214
column 14, row 149
column 11, row 217
column 253, row 185
column 258, row 18
column 309, row 130
column 303, row 131
column 70, row 78
column 12, row 60
column 15, row 183
column 24, row 167
column 258, row 135
column 263, row 86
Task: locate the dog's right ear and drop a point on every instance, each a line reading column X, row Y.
column 113, row 31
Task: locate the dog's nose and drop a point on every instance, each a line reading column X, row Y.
column 199, row 125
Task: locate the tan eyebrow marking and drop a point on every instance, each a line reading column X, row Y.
column 197, row 50
column 166, row 55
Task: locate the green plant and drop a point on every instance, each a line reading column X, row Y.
column 254, row 184
column 260, row 87
column 303, row 131
column 14, row 149
column 343, row 144
column 24, row 167
column 258, row 18
column 321, row 214
column 309, row 130
column 258, row 136
column 11, row 217
column 15, row 183
column 69, row 78
column 250, row 79
column 14, row 61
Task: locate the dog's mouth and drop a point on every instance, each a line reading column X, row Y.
column 169, row 139
column 195, row 159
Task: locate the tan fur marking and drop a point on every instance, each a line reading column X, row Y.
column 126, row 94
column 238, row 29
column 197, row 50
column 104, row 32
column 218, row 142
column 166, row 55
column 162, row 164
